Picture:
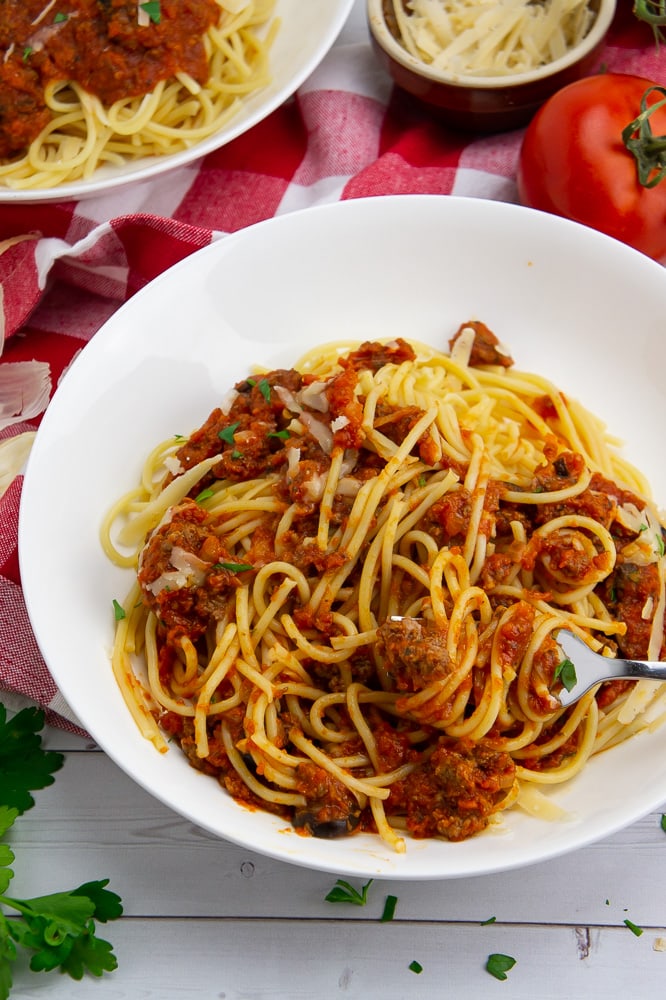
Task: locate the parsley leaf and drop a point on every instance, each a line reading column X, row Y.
column 663, row 822
column 118, row 611
column 389, row 909
column 344, row 892
column 283, row 435
column 58, row 929
column 416, row 967
column 566, row 672
column 490, row 920
column 204, row 495
column 227, row 434
column 498, row 965
column 24, row 766
column 634, row 928
column 233, row 567
column 60, row 17
column 263, row 387
column 152, row 9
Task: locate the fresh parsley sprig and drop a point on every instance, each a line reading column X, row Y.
column 58, row 929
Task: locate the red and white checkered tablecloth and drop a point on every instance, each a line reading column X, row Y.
column 66, row 267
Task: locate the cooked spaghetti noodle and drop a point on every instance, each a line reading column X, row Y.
column 349, row 583
column 144, row 90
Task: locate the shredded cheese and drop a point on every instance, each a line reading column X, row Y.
column 490, row 38
column 42, row 15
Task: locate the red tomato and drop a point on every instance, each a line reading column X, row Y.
column 574, row 163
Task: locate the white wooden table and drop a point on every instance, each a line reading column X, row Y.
column 205, row 919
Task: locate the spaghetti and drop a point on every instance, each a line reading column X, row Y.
column 84, row 84
column 350, row 578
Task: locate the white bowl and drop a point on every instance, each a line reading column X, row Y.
column 561, row 296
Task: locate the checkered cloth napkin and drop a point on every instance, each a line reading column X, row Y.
column 66, row 267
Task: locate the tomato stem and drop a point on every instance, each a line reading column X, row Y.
column 653, row 12
column 648, row 150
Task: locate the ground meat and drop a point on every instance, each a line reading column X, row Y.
column 456, row 791
column 185, row 600
column 486, row 349
column 247, row 436
column 331, row 809
column 625, row 592
column 344, row 402
column 414, row 653
column 452, row 514
column 590, row 503
column 562, row 472
column 373, row 355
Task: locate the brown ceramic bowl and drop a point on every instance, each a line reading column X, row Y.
column 484, row 103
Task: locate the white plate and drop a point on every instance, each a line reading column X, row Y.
column 307, row 32
column 571, row 303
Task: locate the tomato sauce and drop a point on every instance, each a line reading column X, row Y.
column 98, row 44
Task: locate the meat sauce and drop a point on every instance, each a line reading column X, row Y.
column 98, row 44
column 454, row 786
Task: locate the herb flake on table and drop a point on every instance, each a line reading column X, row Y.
column 633, row 927
column 498, row 965
column 344, row 892
column 57, row 929
column 416, row 967
column 388, row 912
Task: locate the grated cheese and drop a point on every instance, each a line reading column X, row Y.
column 14, row 453
column 490, row 38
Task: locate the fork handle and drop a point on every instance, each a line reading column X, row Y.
column 654, row 670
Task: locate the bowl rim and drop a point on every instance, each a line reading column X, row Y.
column 392, row 48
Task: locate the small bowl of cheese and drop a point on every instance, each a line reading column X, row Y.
column 488, row 65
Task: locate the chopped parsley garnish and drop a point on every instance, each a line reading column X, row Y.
column 152, row 9
column 633, row 928
column 263, row 387
column 60, row 17
column 233, row 567
column 566, row 672
column 227, row 435
column 118, row 611
column 498, row 965
column 490, row 920
column 204, row 495
column 416, row 967
column 389, row 909
column 283, row 435
column 662, row 822
column 236, row 454
column 344, row 892
column 58, row 929
column 27, row 52
column 660, row 544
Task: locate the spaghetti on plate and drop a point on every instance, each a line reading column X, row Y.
column 85, row 83
column 350, row 579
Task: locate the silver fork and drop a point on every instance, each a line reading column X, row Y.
column 592, row 668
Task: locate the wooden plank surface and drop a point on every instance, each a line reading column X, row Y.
column 204, row 918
